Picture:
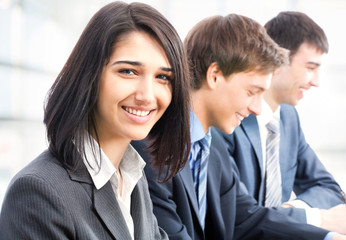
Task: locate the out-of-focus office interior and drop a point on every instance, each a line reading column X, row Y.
column 37, row 37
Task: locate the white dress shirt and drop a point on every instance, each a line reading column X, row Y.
column 102, row 171
column 313, row 215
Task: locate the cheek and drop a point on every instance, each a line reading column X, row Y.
column 301, row 76
column 238, row 100
column 164, row 96
column 108, row 96
column 310, row 75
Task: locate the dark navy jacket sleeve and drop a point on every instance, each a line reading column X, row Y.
column 312, row 182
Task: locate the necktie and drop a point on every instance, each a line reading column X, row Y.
column 273, row 174
column 199, row 171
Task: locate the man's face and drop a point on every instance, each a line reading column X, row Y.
column 290, row 82
column 235, row 97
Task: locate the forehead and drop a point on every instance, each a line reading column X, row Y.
column 137, row 39
column 141, row 47
column 307, row 53
column 254, row 79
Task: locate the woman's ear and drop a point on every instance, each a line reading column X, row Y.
column 214, row 75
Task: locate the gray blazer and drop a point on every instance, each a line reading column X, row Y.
column 46, row 201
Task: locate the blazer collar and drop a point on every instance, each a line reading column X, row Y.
column 80, row 175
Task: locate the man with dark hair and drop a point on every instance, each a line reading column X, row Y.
column 232, row 59
column 271, row 178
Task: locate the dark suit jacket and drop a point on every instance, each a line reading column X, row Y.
column 231, row 214
column 301, row 170
column 45, row 201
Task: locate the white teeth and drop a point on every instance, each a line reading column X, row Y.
column 240, row 117
column 137, row 112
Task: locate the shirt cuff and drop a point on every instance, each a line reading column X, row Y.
column 313, row 216
column 298, row 204
column 329, row 236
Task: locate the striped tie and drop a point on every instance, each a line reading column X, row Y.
column 273, row 175
column 199, row 169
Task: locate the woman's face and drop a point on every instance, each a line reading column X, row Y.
column 135, row 88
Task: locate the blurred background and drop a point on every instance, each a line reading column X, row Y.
column 37, row 36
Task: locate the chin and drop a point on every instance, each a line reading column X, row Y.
column 231, row 130
column 294, row 102
column 139, row 137
column 228, row 130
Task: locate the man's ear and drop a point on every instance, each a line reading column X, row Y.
column 214, row 75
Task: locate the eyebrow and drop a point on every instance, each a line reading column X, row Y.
column 259, row 88
column 314, row 63
column 135, row 63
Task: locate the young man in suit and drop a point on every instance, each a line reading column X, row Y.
column 232, row 59
column 296, row 166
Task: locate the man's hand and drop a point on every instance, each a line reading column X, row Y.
column 339, row 237
column 334, row 219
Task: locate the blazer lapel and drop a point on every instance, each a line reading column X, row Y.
column 186, row 177
column 109, row 211
column 251, row 129
column 136, row 209
column 140, row 210
column 105, row 205
column 284, row 149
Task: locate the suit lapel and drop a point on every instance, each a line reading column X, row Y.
column 109, row 211
column 213, row 200
column 136, row 208
column 140, row 210
column 251, row 129
column 284, row 162
column 105, row 205
column 186, row 177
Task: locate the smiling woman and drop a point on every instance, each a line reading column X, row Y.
column 126, row 79
column 135, row 90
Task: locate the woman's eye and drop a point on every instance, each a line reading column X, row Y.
column 251, row 93
column 127, row 71
column 164, row 77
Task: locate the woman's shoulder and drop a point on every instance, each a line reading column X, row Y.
column 44, row 167
column 46, row 176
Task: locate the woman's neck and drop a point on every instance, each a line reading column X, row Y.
column 114, row 150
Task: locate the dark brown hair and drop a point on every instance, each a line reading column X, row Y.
column 70, row 104
column 236, row 43
column 291, row 29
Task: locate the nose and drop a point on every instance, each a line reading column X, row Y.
column 255, row 106
column 315, row 81
column 145, row 91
